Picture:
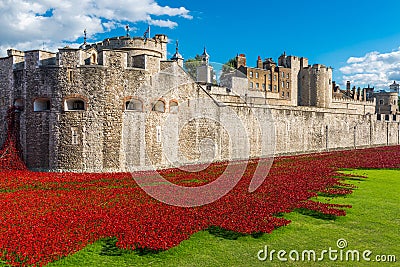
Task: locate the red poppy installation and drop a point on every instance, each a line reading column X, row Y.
column 46, row 216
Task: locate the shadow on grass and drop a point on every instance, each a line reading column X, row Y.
column 110, row 249
column 228, row 234
column 316, row 214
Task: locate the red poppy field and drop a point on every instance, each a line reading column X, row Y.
column 45, row 216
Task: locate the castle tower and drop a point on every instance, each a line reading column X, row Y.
column 205, row 71
column 295, row 64
column 177, row 57
column 315, row 86
column 394, row 87
column 205, row 57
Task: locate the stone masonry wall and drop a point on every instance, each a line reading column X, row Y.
column 203, row 127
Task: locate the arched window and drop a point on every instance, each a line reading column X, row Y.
column 74, row 104
column 41, row 104
column 159, row 106
column 134, row 104
column 173, row 106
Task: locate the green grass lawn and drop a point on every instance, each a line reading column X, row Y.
column 373, row 223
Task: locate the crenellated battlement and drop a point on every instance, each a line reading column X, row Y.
column 156, row 46
column 350, row 100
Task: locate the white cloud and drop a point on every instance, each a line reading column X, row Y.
column 26, row 24
column 375, row 68
column 163, row 23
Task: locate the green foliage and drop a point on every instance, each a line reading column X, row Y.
column 230, row 65
column 192, row 64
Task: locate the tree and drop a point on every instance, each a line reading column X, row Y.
column 192, row 64
column 230, row 65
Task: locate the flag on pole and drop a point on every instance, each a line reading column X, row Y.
column 147, row 33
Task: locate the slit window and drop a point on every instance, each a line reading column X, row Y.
column 70, row 76
column 74, row 135
column 158, row 134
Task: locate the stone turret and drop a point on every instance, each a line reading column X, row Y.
column 205, row 71
column 394, row 87
column 315, row 86
column 177, row 57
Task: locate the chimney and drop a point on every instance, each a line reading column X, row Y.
column 241, row 60
column 259, row 63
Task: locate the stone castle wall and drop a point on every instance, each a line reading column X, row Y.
column 208, row 124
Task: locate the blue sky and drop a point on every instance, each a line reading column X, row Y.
column 359, row 39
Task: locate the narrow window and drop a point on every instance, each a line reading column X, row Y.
column 263, row 86
column 251, row 74
column 287, row 75
column 381, row 102
column 269, row 87
column 74, row 134
column 283, row 84
column 93, row 59
column 257, row 85
column 251, row 84
column 274, row 77
column 287, row 85
column 269, row 76
column 283, row 75
column 70, row 76
column 256, row 75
